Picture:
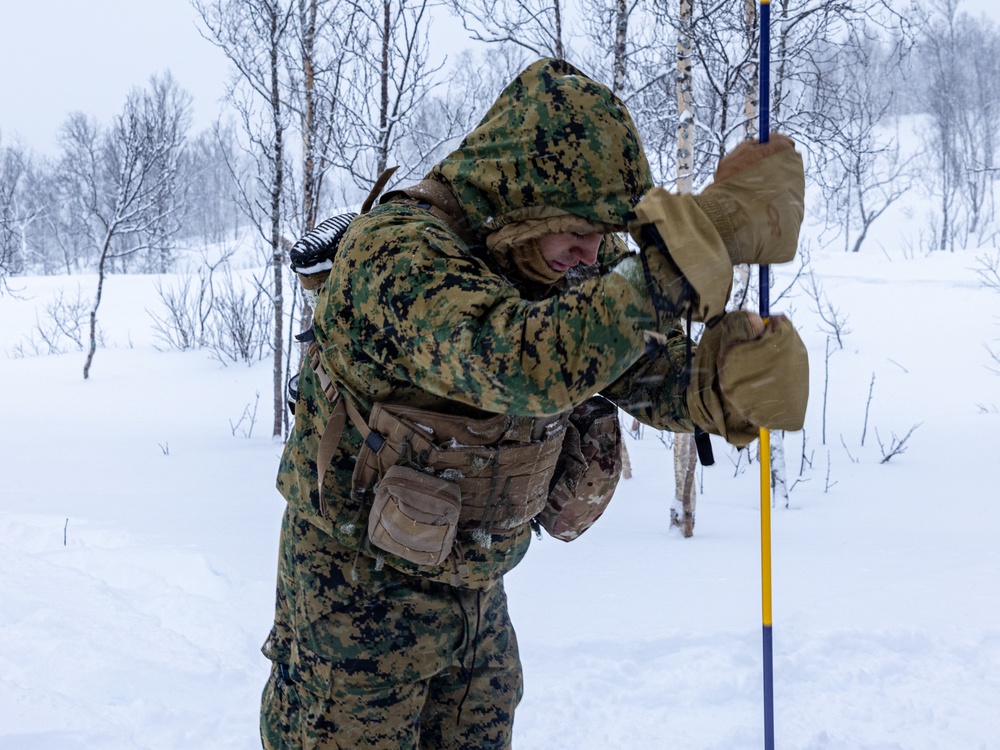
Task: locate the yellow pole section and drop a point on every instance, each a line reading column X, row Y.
column 765, row 524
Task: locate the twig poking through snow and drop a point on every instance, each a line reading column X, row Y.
column 864, row 432
column 897, row 446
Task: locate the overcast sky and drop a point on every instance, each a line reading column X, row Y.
column 62, row 56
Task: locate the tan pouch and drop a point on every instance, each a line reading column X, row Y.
column 415, row 515
column 503, row 481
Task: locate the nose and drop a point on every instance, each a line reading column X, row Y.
column 585, row 248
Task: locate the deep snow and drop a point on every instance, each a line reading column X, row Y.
column 138, row 541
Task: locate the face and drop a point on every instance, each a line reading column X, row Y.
column 568, row 249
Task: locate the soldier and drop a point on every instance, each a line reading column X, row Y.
column 466, row 325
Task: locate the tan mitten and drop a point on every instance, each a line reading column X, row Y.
column 757, row 201
column 748, row 375
column 683, row 254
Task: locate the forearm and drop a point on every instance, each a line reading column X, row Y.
column 653, row 390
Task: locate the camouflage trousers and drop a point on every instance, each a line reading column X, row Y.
column 366, row 658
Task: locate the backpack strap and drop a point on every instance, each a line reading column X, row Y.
column 377, row 188
column 343, row 408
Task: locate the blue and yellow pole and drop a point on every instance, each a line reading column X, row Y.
column 765, row 435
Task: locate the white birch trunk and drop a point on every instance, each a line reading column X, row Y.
column 682, row 511
column 751, row 102
column 779, row 486
column 685, row 101
column 621, row 37
column 626, row 462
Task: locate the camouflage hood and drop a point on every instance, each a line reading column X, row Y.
column 554, row 142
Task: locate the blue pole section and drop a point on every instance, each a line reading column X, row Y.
column 765, row 437
column 764, row 129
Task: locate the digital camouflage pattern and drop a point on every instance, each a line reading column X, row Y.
column 589, row 470
column 373, row 652
column 554, row 141
column 414, row 315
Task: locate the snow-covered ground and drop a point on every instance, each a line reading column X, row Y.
column 138, row 535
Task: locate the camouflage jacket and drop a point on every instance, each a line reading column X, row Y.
column 415, row 315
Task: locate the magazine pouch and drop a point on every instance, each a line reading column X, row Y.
column 415, row 515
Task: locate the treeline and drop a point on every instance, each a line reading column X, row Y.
column 328, row 93
column 126, row 193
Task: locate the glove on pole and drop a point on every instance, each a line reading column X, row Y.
column 764, row 130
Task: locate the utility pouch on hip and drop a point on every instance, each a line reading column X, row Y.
column 415, row 515
column 588, row 470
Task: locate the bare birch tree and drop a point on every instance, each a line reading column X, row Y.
column 212, row 214
column 456, row 107
column 807, row 39
column 686, row 113
column 319, row 64
column 119, row 184
column 389, row 84
column 253, row 35
column 316, row 61
column 979, row 129
column 957, row 63
column 725, row 58
column 866, row 173
column 751, row 98
column 533, row 25
column 13, row 166
column 682, row 512
column 616, row 40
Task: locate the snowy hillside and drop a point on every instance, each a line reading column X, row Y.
column 138, row 535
